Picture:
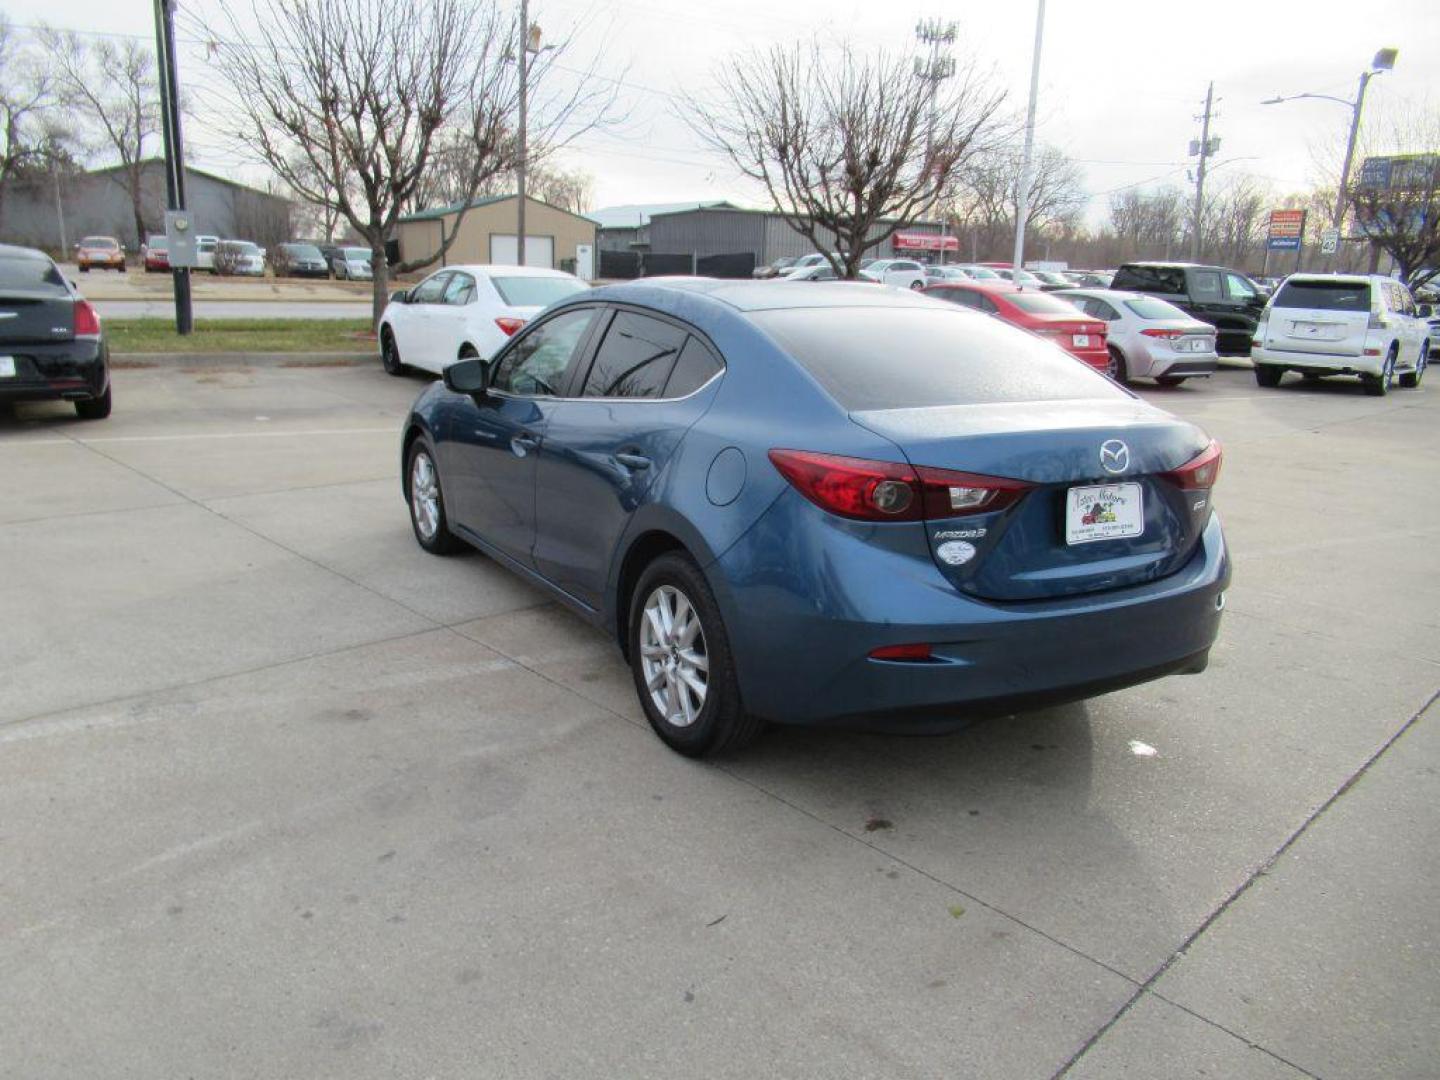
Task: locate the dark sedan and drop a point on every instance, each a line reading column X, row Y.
column 828, row 503
column 51, row 346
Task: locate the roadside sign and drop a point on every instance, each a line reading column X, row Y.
column 925, row 242
column 1329, row 241
column 1287, row 227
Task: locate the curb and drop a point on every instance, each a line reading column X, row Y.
column 124, row 361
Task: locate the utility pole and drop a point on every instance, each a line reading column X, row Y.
column 174, row 154
column 1205, row 147
column 1027, row 169
column 60, row 214
column 934, row 33
column 524, row 62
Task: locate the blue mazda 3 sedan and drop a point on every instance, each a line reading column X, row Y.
column 836, row 504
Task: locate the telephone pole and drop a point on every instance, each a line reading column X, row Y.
column 174, row 153
column 1027, row 169
column 1204, row 147
column 524, row 61
column 934, row 70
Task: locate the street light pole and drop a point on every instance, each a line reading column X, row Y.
column 1027, row 170
column 174, row 153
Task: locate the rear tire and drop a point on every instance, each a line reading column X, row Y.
column 1379, row 385
column 98, row 409
column 1268, row 375
column 1170, row 381
column 677, row 638
column 1118, row 369
column 427, row 501
column 1411, row 379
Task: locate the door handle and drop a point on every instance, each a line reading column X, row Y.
column 523, row 443
column 633, row 461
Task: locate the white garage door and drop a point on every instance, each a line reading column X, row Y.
column 539, row 250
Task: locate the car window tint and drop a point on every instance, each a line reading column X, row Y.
column 1158, row 279
column 431, row 290
column 536, row 364
column 535, row 290
column 31, row 275
column 461, row 290
column 1043, row 304
column 635, row 359
column 1324, row 295
column 1150, row 308
column 695, row 366
column 1238, row 287
column 985, row 304
column 964, row 297
column 1205, row 284
column 904, row 358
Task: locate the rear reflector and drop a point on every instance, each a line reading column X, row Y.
column 1200, row 472
column 87, row 321
column 901, row 652
column 508, row 324
column 890, row 491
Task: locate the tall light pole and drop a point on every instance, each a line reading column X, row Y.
column 1027, row 168
column 174, row 152
column 1384, row 61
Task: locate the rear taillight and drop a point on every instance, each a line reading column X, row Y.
column 1200, row 472
column 889, row 491
column 508, row 324
column 87, row 322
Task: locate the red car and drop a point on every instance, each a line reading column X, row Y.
column 1049, row 316
column 156, row 253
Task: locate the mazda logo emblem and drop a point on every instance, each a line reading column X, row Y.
column 1114, row 456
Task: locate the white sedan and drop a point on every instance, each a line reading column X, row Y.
column 903, row 273
column 1148, row 337
column 464, row 311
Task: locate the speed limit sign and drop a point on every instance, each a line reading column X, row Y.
column 1329, row 241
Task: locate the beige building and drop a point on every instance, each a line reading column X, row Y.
column 487, row 234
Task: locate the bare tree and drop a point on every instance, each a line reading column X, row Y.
column 1398, row 207
column 987, row 195
column 345, row 100
column 1148, row 223
column 447, row 176
column 1234, row 219
column 113, row 93
column 28, row 130
column 850, row 147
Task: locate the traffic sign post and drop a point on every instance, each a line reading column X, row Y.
column 1329, row 241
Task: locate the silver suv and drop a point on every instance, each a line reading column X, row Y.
column 1343, row 324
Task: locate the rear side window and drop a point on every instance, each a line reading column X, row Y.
column 1324, row 295
column 635, row 359
column 535, row 291
column 1205, row 284
column 695, row 366
column 31, row 275
column 1155, row 279
column 906, row 358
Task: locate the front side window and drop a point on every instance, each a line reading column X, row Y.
column 536, row 365
column 635, row 359
column 1239, row 288
column 431, row 290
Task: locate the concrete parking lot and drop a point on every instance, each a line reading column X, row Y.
column 281, row 795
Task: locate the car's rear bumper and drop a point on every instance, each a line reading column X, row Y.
column 1330, row 363
column 802, row 637
column 1180, row 366
column 72, row 371
column 1099, row 359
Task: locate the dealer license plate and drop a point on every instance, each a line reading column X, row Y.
column 1104, row 512
column 7, row 367
column 1080, row 341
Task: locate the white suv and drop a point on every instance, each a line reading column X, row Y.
column 1343, row 324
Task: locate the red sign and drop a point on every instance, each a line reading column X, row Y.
column 910, row 241
column 1286, row 229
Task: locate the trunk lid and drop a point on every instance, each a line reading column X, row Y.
column 1024, row 551
column 28, row 316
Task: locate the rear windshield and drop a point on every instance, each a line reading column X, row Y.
column 158, row 243
column 1161, row 279
column 1040, row 304
column 1155, row 309
column 1324, row 295
column 31, row 275
column 982, row 273
column 535, row 291
column 356, row 254
column 906, row 358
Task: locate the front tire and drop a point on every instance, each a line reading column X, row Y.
column 390, row 353
column 1379, row 385
column 680, row 658
column 427, row 501
column 98, row 409
column 1411, row 379
column 1268, row 375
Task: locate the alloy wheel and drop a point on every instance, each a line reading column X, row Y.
column 424, row 495
column 673, row 657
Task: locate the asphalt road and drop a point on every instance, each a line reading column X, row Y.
column 280, row 795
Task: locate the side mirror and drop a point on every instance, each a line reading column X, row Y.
column 467, row 376
column 400, row 296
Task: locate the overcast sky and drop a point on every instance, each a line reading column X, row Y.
column 1121, row 80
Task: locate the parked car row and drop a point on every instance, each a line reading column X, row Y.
column 216, row 255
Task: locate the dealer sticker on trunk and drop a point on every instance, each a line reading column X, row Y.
column 1105, row 512
column 7, row 367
